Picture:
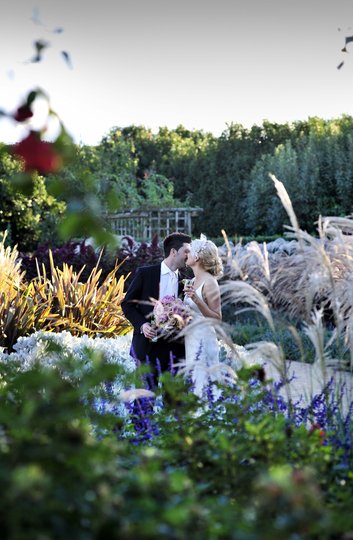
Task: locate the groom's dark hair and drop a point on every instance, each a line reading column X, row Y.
column 175, row 240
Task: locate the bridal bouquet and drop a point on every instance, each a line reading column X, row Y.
column 170, row 315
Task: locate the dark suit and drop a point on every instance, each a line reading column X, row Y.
column 144, row 286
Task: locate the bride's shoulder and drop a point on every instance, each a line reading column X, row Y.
column 210, row 282
column 209, row 278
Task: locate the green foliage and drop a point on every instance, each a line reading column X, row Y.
column 157, row 190
column 108, row 177
column 228, row 176
column 315, row 168
column 222, row 474
column 298, row 348
column 30, row 219
column 264, row 210
column 121, row 164
column 58, row 478
column 85, row 208
column 113, row 166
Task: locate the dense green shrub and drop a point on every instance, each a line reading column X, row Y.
column 30, row 218
column 109, row 172
column 228, row 176
column 233, row 471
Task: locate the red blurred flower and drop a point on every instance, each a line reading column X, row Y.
column 37, row 155
column 316, row 427
column 23, row 113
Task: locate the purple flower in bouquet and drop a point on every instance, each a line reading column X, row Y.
column 170, row 315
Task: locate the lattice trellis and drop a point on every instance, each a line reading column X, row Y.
column 143, row 224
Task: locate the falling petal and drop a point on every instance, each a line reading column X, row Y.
column 67, row 58
column 136, row 393
column 340, row 65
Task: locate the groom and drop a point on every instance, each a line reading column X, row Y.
column 155, row 282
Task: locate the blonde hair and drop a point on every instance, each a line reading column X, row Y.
column 209, row 258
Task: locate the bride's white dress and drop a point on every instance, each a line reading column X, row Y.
column 201, row 348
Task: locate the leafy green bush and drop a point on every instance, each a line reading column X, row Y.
column 58, row 478
column 244, row 334
column 31, row 218
column 232, row 471
column 250, row 327
column 158, row 191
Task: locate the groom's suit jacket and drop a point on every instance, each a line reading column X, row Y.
column 144, row 286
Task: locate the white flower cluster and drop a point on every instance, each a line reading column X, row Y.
column 37, row 348
column 34, row 348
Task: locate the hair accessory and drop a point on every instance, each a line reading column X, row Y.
column 198, row 245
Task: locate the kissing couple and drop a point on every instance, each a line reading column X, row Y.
column 201, row 294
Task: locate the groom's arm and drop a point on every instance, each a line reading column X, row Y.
column 130, row 305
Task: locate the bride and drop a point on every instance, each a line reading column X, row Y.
column 202, row 295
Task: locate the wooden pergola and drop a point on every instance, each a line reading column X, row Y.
column 145, row 223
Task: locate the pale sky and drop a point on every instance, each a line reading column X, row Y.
column 200, row 63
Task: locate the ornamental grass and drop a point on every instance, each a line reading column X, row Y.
column 317, row 271
column 17, row 311
column 59, row 302
column 86, row 308
column 314, row 280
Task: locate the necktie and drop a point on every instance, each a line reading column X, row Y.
column 173, row 281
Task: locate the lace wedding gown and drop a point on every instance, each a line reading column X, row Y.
column 201, row 349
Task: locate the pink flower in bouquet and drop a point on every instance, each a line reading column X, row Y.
column 170, row 315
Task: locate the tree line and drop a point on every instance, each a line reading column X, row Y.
column 227, row 176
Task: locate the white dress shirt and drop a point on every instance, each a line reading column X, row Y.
column 168, row 284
